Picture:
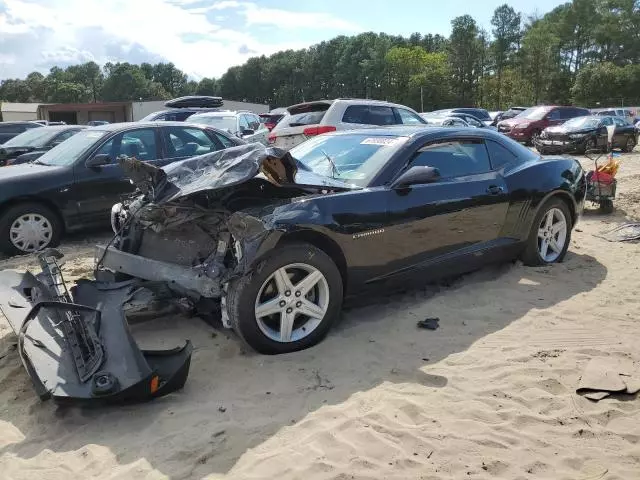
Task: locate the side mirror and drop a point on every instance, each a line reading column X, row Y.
column 247, row 131
column 98, row 161
column 417, row 176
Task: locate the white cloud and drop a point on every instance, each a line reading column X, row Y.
column 37, row 35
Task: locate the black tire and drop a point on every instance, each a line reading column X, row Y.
column 242, row 294
column 629, row 145
column 12, row 213
column 606, row 205
column 534, row 135
column 590, row 144
column 531, row 256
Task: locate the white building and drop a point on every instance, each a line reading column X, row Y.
column 81, row 113
column 14, row 112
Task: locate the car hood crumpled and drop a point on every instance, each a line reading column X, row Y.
column 224, row 168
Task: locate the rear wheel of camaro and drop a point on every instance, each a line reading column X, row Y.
column 288, row 302
column 28, row 228
column 550, row 234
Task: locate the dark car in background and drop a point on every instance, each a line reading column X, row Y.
column 8, row 130
column 587, row 133
column 528, row 125
column 507, row 114
column 75, row 184
column 270, row 120
column 31, row 144
column 478, row 113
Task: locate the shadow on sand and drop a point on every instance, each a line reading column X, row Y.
column 235, row 400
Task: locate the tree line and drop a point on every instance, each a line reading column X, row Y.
column 585, row 52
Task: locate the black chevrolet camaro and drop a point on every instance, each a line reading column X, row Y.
column 275, row 240
column 343, row 214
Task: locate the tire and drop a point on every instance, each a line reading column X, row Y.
column 629, row 145
column 41, row 215
column 532, row 141
column 265, row 334
column 532, row 253
column 606, row 205
column 590, row 144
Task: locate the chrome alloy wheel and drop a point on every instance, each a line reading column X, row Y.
column 552, row 235
column 292, row 302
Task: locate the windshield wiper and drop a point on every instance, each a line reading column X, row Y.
column 334, row 169
column 38, row 162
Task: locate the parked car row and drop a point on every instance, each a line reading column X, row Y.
column 72, row 177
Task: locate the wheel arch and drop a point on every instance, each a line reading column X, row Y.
column 567, row 198
column 322, row 242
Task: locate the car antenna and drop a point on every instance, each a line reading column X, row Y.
column 334, row 169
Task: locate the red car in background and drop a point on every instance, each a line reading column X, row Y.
column 272, row 118
column 527, row 126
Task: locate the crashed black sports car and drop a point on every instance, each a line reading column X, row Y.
column 277, row 239
column 581, row 134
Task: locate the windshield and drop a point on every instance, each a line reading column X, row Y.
column 582, row 122
column 35, row 137
column 227, row 122
column 534, row 113
column 353, row 158
column 70, row 150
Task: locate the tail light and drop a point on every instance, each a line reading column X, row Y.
column 311, row 131
column 271, row 138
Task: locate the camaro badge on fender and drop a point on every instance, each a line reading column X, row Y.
column 369, row 233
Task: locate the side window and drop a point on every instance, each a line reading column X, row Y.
column 244, row 124
column 554, row 114
column 473, row 121
column 620, row 122
column 606, row 121
column 454, row 158
column 187, row 142
column 381, row 116
column 499, row 155
column 226, row 143
column 63, row 136
column 182, row 116
column 140, row 144
column 254, row 122
column 409, row 118
column 356, row 114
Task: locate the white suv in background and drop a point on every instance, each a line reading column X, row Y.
column 244, row 125
column 314, row 118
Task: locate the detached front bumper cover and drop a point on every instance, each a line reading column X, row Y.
column 76, row 346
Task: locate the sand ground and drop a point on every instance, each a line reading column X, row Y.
column 489, row 395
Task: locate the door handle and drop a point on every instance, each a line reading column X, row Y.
column 494, row 190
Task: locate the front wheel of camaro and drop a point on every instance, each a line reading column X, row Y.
column 288, row 302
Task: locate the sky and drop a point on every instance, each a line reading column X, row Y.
column 206, row 37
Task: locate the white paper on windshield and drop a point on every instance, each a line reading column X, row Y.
column 382, row 141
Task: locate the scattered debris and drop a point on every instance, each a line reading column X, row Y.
column 622, row 233
column 603, row 377
column 544, row 354
column 429, row 323
column 222, row 409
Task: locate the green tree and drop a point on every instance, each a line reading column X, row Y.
column 506, row 34
column 464, row 49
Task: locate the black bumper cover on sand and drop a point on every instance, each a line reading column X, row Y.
column 68, row 367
